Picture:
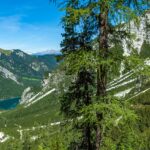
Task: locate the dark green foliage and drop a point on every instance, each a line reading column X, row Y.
column 100, row 16
column 70, row 36
column 78, row 95
column 116, row 55
column 141, row 104
column 145, row 50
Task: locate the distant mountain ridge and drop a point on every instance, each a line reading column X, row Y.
column 47, row 52
column 19, row 70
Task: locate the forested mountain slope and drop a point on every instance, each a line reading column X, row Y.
column 19, row 70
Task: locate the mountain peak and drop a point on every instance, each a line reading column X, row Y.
column 47, row 52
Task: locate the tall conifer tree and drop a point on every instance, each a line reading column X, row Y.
column 80, row 92
column 108, row 14
column 70, row 36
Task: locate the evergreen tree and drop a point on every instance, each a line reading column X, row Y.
column 107, row 12
column 80, row 92
column 109, row 16
column 70, row 36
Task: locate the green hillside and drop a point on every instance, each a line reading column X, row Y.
column 9, row 88
column 27, row 69
column 44, row 111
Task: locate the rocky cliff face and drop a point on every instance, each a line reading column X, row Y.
column 56, row 81
column 8, row 75
column 26, row 95
column 141, row 32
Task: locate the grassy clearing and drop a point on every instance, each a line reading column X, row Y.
column 43, row 112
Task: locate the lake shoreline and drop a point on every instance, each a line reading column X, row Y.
column 9, row 98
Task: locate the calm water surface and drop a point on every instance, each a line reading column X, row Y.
column 9, row 103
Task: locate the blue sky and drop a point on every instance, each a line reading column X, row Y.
column 30, row 25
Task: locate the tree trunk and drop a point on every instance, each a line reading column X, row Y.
column 87, row 127
column 87, row 138
column 102, row 68
column 102, row 54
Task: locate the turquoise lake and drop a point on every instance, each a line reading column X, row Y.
column 9, row 103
